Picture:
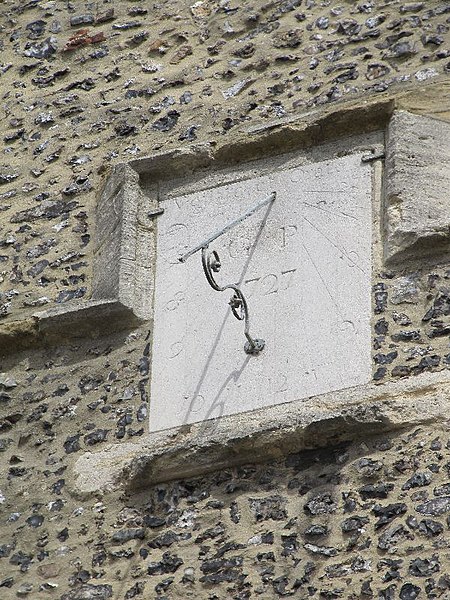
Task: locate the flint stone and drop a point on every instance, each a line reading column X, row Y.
column 46, row 210
column 89, row 592
column 153, row 521
column 430, row 528
column 42, row 50
column 320, row 505
column 354, row 523
column 316, row 530
column 417, row 177
column 387, row 513
column 405, row 289
column 125, row 535
column 443, row 490
column 165, row 540
column 417, row 480
column 168, row 564
column 323, row 550
column 409, row 592
column 272, row 507
column 216, row 565
column 367, row 467
column 394, row 536
column 78, row 20
column 424, row 567
column 436, row 507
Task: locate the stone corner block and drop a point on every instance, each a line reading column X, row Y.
column 417, row 178
column 125, row 243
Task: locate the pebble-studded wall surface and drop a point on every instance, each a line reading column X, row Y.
column 85, row 85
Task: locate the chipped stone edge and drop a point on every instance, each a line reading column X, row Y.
column 264, row 434
column 414, row 225
column 84, row 320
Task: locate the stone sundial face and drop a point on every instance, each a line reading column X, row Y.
column 303, row 263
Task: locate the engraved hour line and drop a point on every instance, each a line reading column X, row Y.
column 344, row 252
column 330, row 212
column 324, row 283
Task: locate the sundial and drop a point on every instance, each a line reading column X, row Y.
column 262, row 291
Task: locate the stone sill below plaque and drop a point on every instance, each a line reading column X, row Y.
column 264, row 434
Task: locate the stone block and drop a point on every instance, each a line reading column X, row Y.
column 125, row 243
column 417, row 180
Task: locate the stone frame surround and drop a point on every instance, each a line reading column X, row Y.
column 414, row 227
column 412, row 224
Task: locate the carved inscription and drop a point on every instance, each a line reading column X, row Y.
column 271, row 283
column 304, row 265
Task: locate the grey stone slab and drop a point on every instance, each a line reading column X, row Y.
column 304, row 264
column 417, row 183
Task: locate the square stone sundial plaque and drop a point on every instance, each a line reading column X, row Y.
column 303, row 263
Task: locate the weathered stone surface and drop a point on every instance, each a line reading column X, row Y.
column 417, row 175
column 125, row 243
column 65, row 322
